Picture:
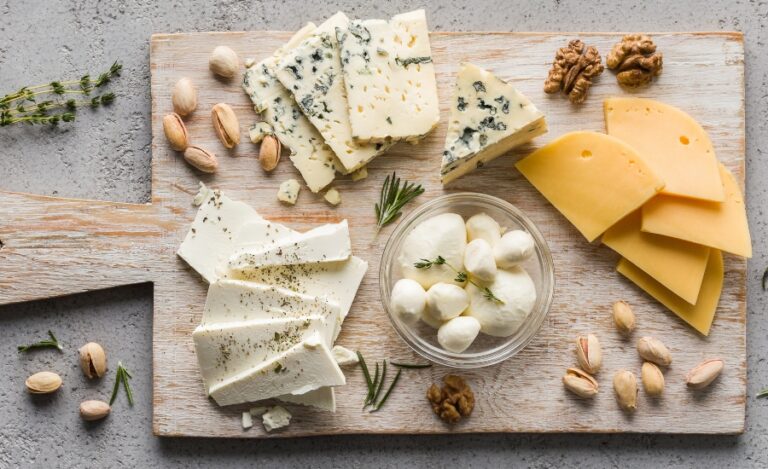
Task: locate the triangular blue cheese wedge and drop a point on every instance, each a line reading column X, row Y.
column 489, row 117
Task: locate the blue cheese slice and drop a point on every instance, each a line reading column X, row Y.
column 312, row 72
column 389, row 78
column 489, row 117
column 305, row 367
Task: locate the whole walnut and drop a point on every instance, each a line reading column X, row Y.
column 635, row 60
column 573, row 70
column 454, row 401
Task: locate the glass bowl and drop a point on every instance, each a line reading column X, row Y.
column 485, row 350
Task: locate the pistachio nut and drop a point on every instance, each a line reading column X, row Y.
column 93, row 360
column 623, row 317
column 184, row 97
column 226, row 125
column 589, row 354
column 580, row 383
column 703, row 374
column 94, row 410
column 201, row 159
column 625, row 386
column 224, row 62
column 269, row 153
column 653, row 350
column 175, row 131
column 653, row 379
column 44, row 382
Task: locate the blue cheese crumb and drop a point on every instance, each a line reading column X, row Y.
column 259, row 130
column 361, row 173
column 289, row 191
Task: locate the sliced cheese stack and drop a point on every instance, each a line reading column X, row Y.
column 275, row 305
column 658, row 197
column 339, row 94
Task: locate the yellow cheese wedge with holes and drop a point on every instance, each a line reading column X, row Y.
column 593, row 179
column 673, row 144
column 719, row 225
column 698, row 316
column 676, row 264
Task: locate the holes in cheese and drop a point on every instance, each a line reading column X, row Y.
column 677, row 265
column 718, row 225
column 698, row 316
column 673, row 144
column 592, row 192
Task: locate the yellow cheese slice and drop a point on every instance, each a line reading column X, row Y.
column 676, row 264
column 718, row 225
column 672, row 143
column 698, row 316
column 593, row 179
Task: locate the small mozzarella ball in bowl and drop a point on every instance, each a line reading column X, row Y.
column 443, row 235
column 458, row 334
column 479, row 260
column 446, row 301
column 517, row 294
column 408, row 300
column 483, row 226
column 513, row 248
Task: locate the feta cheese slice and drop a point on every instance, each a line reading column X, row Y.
column 326, row 243
column 321, row 398
column 210, row 240
column 312, row 71
column 226, row 349
column 276, row 417
column 390, row 78
column 489, row 117
column 305, row 367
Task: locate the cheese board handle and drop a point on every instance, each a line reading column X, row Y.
column 52, row 246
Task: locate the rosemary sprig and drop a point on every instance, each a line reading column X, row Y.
column 389, row 391
column 414, row 366
column 367, row 376
column 121, row 377
column 461, row 276
column 394, row 196
column 763, row 393
column 52, row 342
column 376, row 385
column 765, row 278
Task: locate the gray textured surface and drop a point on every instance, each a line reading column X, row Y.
column 105, row 155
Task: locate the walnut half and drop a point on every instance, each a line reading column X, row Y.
column 454, row 401
column 573, row 70
column 635, row 60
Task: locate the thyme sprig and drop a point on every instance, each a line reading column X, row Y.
column 374, row 398
column 121, row 377
column 52, row 342
column 23, row 106
column 461, row 276
column 394, row 196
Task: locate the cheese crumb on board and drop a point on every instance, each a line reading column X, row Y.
column 276, row 417
column 344, row 356
column 259, row 130
column 360, row 174
column 289, row 191
column 333, row 197
column 247, row 420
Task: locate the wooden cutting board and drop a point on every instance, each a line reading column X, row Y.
column 52, row 247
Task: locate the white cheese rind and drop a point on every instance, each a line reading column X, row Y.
column 489, row 117
column 344, row 356
column 321, row 398
column 327, row 243
column 305, row 367
column 312, row 72
column 389, row 78
column 210, row 240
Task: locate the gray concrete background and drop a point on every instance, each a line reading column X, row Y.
column 106, row 155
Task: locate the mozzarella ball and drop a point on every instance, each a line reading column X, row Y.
column 443, row 235
column 517, row 293
column 458, row 334
column 408, row 300
column 446, row 301
column 479, row 261
column 482, row 226
column 429, row 319
column 513, row 248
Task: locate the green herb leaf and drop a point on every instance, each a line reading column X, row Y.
column 122, row 376
column 763, row 393
column 367, row 376
column 52, row 342
column 389, row 391
column 393, row 198
column 381, row 383
column 412, row 365
column 765, row 278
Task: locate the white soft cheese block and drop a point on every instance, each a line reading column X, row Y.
column 305, row 367
column 210, row 240
column 338, row 281
column 326, row 243
column 389, row 78
column 489, row 117
column 226, row 349
column 312, row 72
column 321, row 398
column 316, row 162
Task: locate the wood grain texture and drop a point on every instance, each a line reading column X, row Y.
column 71, row 246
